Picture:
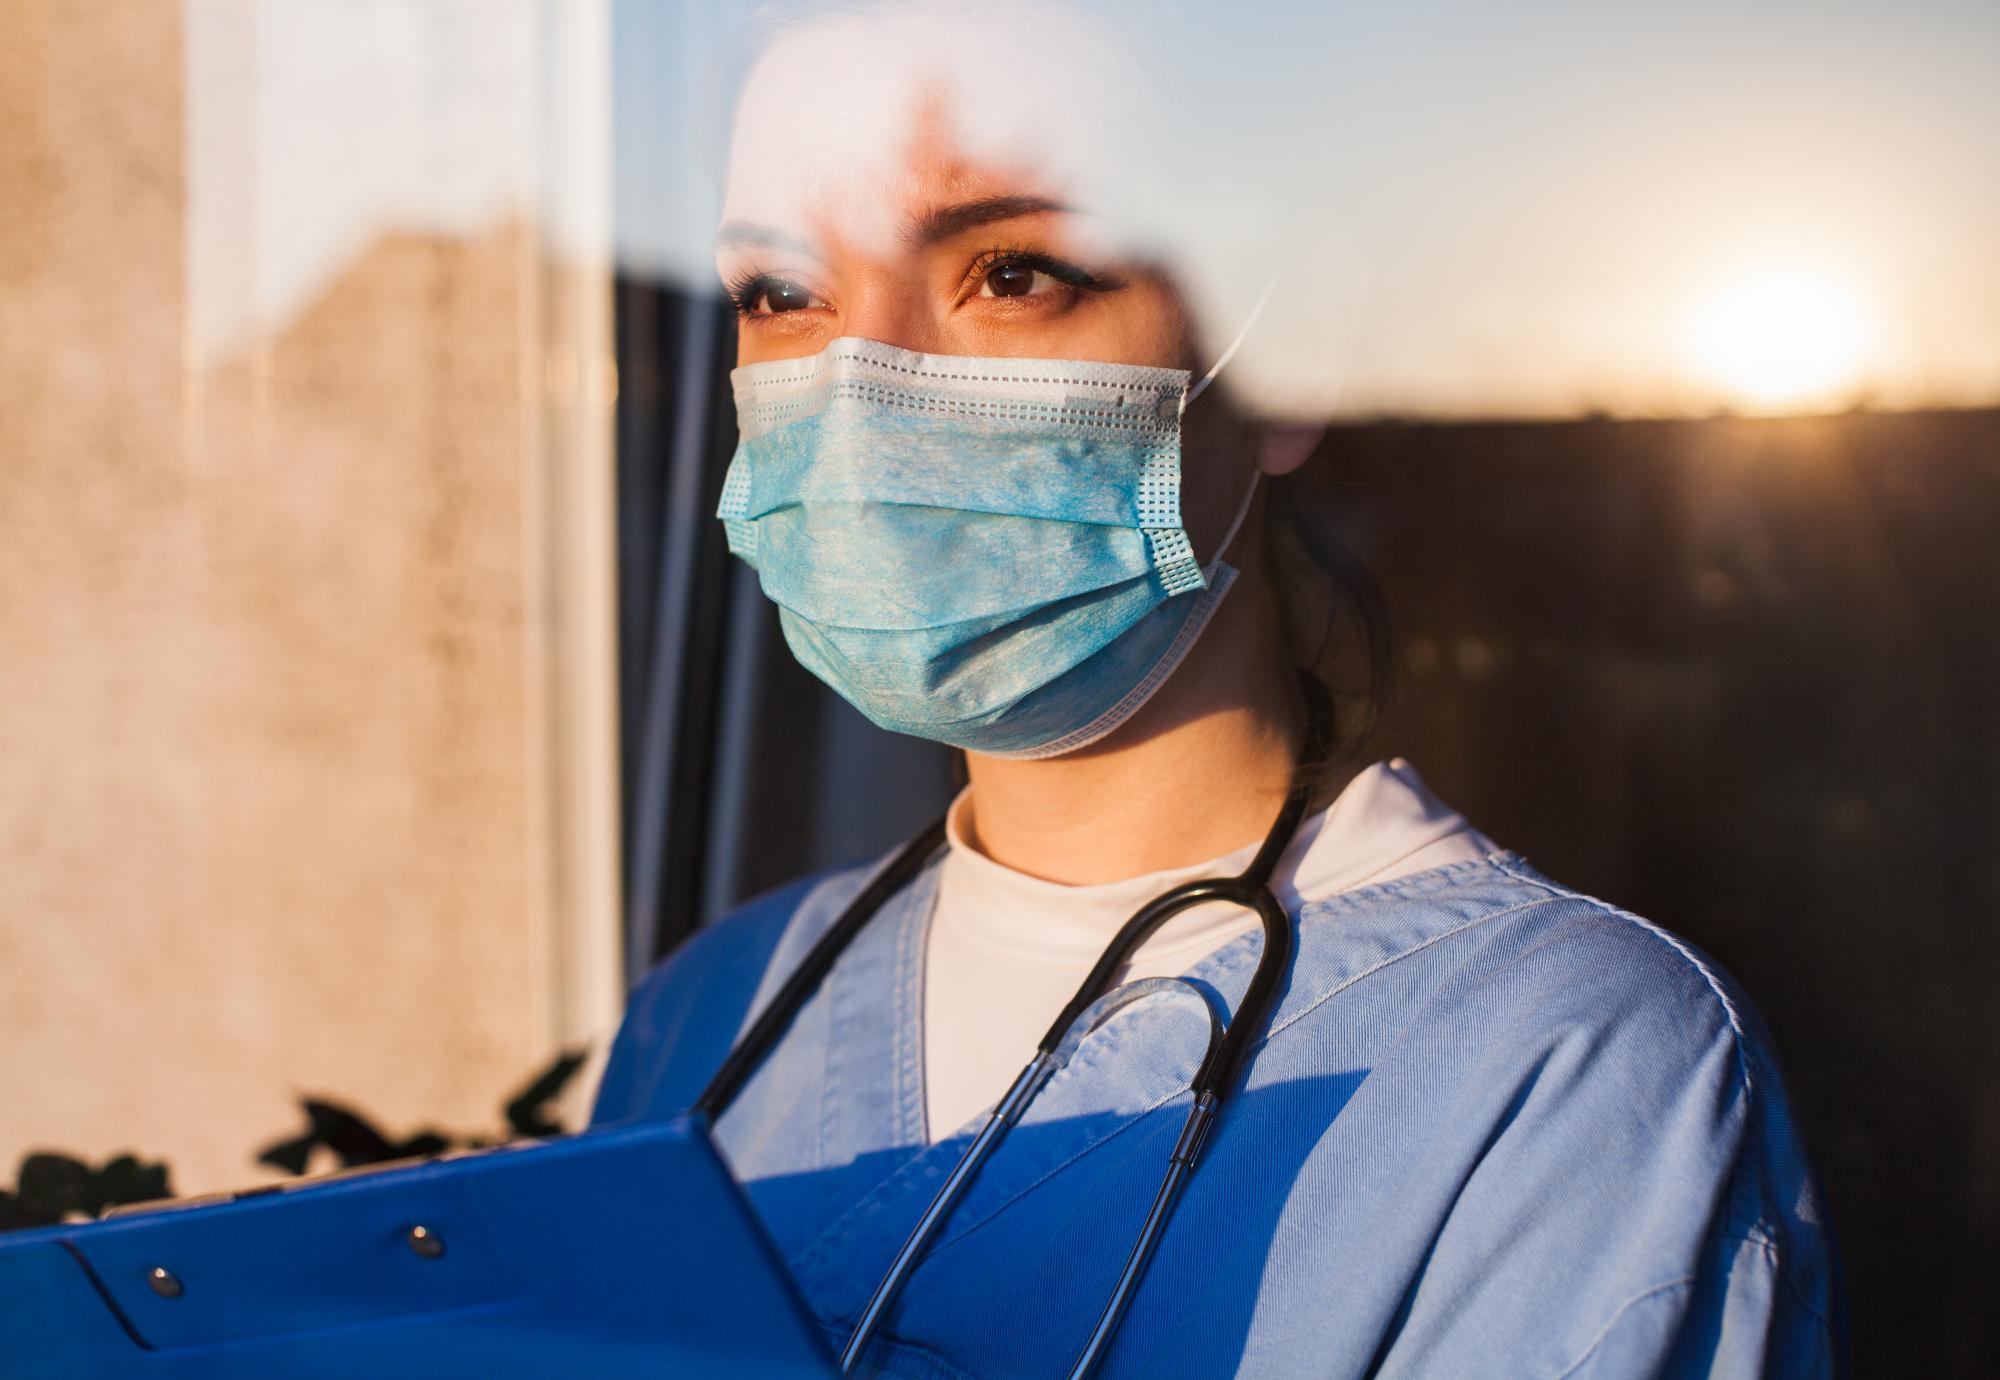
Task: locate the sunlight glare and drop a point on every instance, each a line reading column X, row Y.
column 1781, row 337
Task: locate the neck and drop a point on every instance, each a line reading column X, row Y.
column 1200, row 771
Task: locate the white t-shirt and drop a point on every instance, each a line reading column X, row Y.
column 1007, row 950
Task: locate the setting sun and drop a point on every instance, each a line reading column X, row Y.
column 1782, row 337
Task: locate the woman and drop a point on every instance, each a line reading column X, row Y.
column 1482, row 1125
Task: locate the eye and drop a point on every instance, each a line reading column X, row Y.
column 1024, row 274
column 765, row 294
column 1017, row 279
column 1013, row 279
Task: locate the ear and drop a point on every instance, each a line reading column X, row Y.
column 1284, row 446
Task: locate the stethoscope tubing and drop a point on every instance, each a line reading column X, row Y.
column 1201, row 1116
column 776, row 1017
column 1002, row 1120
column 1228, row 1046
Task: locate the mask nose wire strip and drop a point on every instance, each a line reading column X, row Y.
column 1270, row 285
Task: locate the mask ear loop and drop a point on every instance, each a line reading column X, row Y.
column 1235, row 525
column 1250, row 490
column 1270, row 286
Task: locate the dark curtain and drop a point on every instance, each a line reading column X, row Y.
column 740, row 771
column 1741, row 676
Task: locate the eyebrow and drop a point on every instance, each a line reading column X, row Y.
column 937, row 224
column 943, row 222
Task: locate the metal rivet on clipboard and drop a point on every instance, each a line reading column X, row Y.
column 425, row 1242
column 165, row 1282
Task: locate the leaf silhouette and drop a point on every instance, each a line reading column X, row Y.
column 347, row 1133
column 526, row 1112
column 292, row 1155
column 52, row 1187
column 422, row 1143
column 124, row 1180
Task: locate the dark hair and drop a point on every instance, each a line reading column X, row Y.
column 1335, row 611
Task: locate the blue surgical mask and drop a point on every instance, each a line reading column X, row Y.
column 984, row 552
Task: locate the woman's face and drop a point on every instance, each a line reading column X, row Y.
column 982, row 263
column 888, row 229
column 918, row 244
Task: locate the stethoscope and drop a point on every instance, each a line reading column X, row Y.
column 1095, row 1002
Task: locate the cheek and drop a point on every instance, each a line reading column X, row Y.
column 1149, row 326
column 794, row 336
column 1135, row 324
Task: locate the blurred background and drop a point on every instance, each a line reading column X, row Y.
column 377, row 700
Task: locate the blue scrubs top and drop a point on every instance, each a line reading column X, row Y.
column 1496, row 1128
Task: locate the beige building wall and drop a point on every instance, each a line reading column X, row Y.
column 305, row 743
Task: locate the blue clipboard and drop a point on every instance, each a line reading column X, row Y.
column 626, row 1251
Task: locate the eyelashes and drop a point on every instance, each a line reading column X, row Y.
column 759, row 295
column 779, row 294
column 994, row 261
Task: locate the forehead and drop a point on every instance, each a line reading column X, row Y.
column 853, row 129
